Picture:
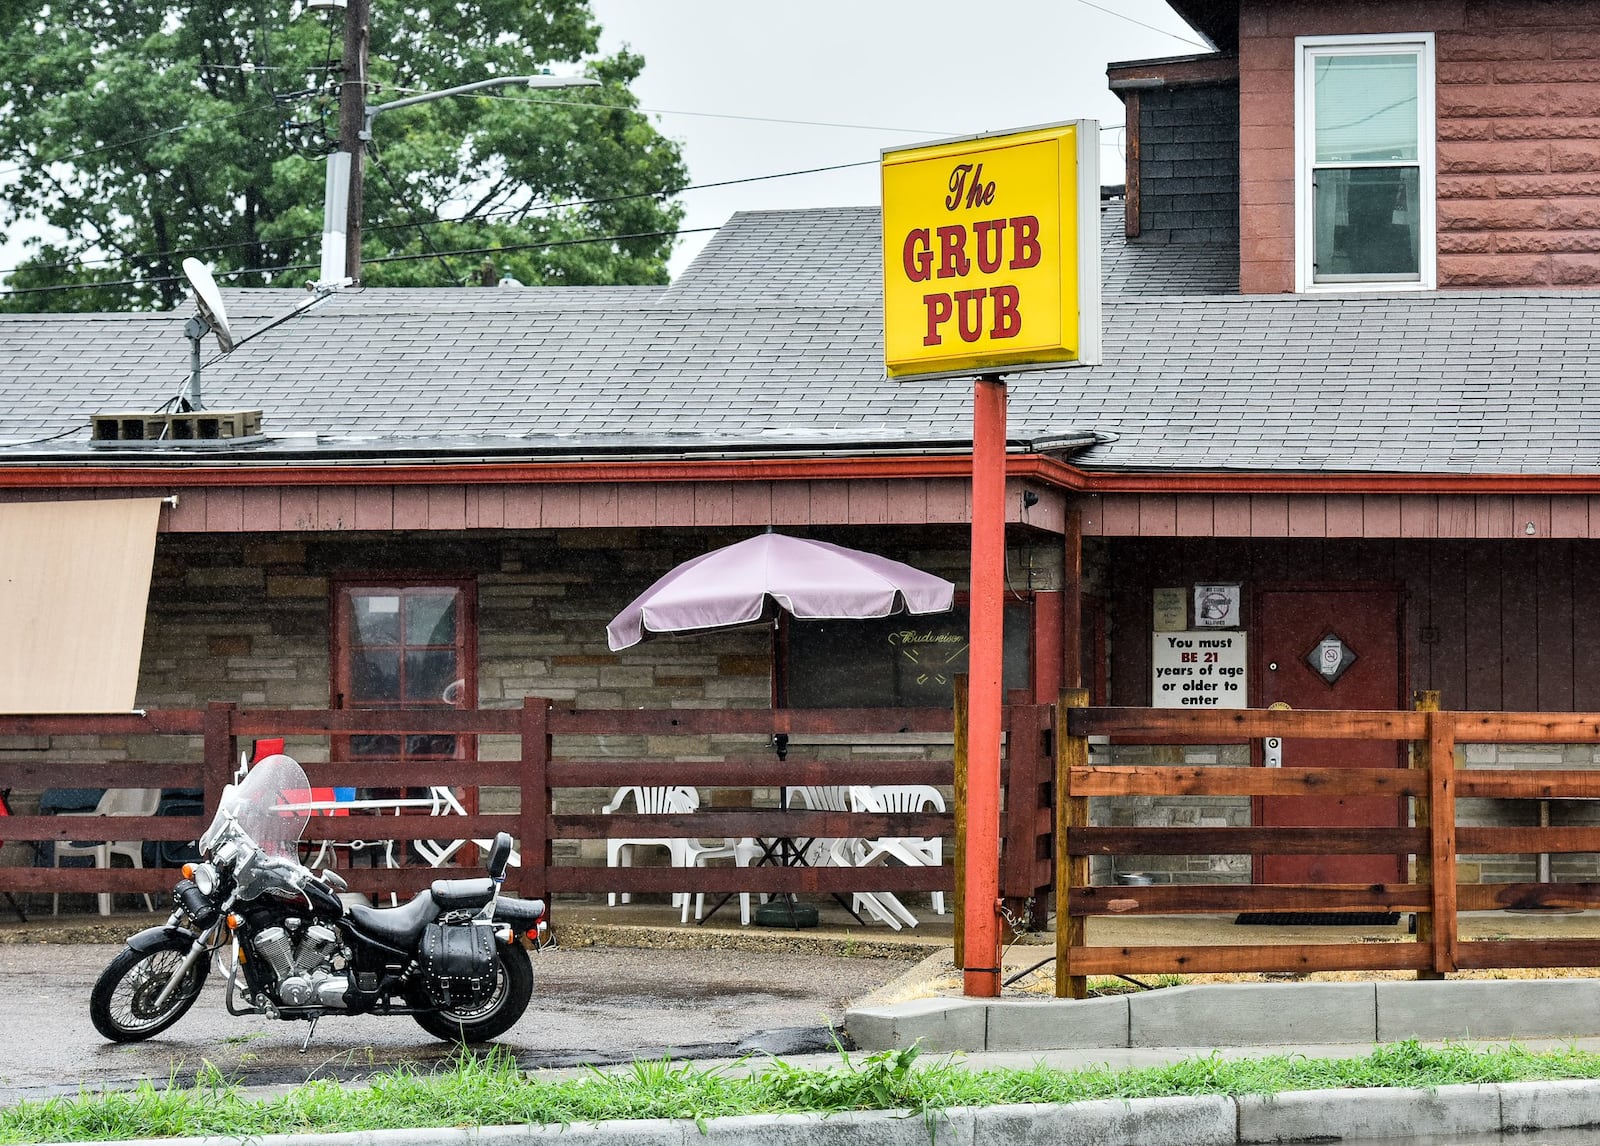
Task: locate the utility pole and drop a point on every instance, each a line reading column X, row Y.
column 346, row 166
column 352, row 124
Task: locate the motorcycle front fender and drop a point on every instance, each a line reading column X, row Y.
column 164, row 935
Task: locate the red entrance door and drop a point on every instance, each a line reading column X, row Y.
column 1331, row 648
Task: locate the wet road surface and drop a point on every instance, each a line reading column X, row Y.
column 590, row 1005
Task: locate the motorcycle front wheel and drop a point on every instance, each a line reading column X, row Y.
column 494, row 1017
column 123, row 1004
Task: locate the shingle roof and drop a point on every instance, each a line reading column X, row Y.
column 772, row 339
column 1161, row 269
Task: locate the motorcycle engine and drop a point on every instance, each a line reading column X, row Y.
column 301, row 959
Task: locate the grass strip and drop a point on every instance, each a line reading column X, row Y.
column 489, row 1089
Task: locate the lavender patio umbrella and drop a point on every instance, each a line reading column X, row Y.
column 741, row 583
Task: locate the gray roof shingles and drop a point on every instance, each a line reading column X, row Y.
column 772, row 339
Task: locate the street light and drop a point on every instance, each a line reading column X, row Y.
column 341, row 208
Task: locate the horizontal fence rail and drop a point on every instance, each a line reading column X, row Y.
column 1432, row 784
column 549, row 755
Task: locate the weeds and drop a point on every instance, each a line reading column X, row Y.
column 490, row 1089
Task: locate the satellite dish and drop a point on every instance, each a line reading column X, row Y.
column 209, row 299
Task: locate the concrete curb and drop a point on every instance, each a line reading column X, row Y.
column 1240, row 1014
column 1207, row 1120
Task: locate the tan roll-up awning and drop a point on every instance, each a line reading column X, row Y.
column 74, row 583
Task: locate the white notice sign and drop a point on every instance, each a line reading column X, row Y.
column 1198, row 669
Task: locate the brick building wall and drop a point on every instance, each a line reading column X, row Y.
column 1518, row 135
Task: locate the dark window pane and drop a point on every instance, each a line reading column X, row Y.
column 377, row 618
column 431, row 745
column 895, row 661
column 374, row 675
column 428, row 673
column 431, row 619
column 1368, row 223
column 375, row 746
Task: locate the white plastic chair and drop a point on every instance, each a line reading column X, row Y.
column 743, row 853
column 913, row 851
column 849, row 852
column 652, row 801
column 114, row 802
column 823, row 798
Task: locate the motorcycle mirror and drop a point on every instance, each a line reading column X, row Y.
column 499, row 855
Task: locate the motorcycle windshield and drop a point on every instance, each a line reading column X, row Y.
column 266, row 806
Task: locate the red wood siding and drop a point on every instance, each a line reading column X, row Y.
column 1341, row 515
column 1518, row 135
column 1492, row 625
column 455, row 507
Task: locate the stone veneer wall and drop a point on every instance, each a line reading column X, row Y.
column 1171, row 811
column 247, row 619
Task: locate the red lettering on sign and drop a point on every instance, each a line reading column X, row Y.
column 917, row 256
column 1007, row 312
column 938, row 307
column 967, row 308
column 953, row 261
column 970, row 320
column 981, row 194
column 988, row 237
column 978, row 194
column 1025, row 250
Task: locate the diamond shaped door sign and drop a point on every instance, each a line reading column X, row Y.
column 1331, row 658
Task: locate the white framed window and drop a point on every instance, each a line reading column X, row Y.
column 1364, row 163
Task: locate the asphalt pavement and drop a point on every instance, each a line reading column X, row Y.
column 591, row 1005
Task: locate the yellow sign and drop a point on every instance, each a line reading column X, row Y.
column 991, row 257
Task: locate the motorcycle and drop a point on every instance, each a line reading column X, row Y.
column 452, row 958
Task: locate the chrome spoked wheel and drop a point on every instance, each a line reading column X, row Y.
column 495, row 1015
column 126, row 1003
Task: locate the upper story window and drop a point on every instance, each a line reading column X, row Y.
column 1365, row 168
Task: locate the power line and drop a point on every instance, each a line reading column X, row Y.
column 137, row 139
column 157, row 279
column 747, row 118
column 545, row 206
column 1142, row 24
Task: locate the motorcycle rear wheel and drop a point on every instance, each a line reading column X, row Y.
column 491, row 1019
column 123, row 1006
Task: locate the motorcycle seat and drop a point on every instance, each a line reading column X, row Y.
column 397, row 926
column 462, row 894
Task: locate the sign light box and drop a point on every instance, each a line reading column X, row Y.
column 991, row 253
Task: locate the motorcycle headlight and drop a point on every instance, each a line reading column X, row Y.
column 205, row 879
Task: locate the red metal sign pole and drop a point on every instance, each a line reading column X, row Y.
column 981, row 975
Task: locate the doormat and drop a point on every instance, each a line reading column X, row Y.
column 1319, row 918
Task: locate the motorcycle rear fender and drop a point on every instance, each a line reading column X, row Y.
column 518, row 913
column 155, row 938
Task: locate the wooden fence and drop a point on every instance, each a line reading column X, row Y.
column 1432, row 783
column 553, row 753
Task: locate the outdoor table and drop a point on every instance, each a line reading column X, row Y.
column 794, row 851
column 436, row 857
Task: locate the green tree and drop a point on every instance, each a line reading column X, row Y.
column 148, row 130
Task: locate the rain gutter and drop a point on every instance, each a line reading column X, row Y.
column 1025, row 460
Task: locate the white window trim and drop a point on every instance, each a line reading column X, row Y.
column 1307, row 48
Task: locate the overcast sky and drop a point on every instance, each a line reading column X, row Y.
column 755, row 89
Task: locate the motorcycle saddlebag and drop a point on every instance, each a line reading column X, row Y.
column 457, row 962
